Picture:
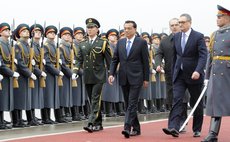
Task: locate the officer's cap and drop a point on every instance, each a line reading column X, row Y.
column 122, row 32
column 65, row 30
column 4, row 26
column 20, row 28
column 35, row 27
column 49, row 29
column 145, row 34
column 112, row 32
column 91, row 22
column 79, row 30
column 222, row 11
column 155, row 35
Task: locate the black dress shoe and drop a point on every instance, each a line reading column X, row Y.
column 97, row 128
column 196, row 134
column 212, row 137
column 126, row 133
column 135, row 133
column 172, row 132
column 2, row 127
column 88, row 128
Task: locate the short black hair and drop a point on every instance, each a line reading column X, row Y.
column 130, row 21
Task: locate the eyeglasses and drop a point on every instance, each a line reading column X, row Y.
column 174, row 25
column 182, row 22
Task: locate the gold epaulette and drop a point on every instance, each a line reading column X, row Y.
column 104, row 45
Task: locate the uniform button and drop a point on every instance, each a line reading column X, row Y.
column 214, row 74
column 221, row 51
column 213, row 63
column 214, row 41
column 93, row 61
column 221, row 73
column 214, row 52
column 93, row 67
column 86, row 60
column 226, row 31
column 86, row 67
column 86, row 55
column 223, row 40
column 221, row 62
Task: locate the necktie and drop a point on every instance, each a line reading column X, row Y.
column 183, row 41
column 128, row 47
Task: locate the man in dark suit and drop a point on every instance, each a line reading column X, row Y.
column 132, row 54
column 190, row 55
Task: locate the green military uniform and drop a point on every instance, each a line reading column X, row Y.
column 91, row 58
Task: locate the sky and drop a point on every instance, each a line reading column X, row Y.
column 150, row 15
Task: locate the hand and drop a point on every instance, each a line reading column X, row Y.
column 16, row 74
column 74, row 62
column 16, row 61
column 43, row 74
column 33, row 62
column 44, row 61
column 74, row 76
column 61, row 73
column 33, row 76
column 153, row 61
column 145, row 84
column 1, row 77
column 195, row 75
column 206, row 82
column 154, row 71
column 111, row 79
column 158, row 69
column 162, row 71
column 60, row 61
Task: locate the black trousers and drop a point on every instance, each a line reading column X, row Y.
column 94, row 93
column 131, row 95
column 179, row 88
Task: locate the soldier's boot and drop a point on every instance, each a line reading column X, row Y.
column 2, row 123
column 86, row 109
column 22, row 121
column 58, row 116
column 16, row 119
column 107, row 108
column 120, row 109
column 66, row 112
column 81, row 111
column 44, row 116
column 37, row 120
column 31, row 118
column 213, row 130
column 162, row 105
column 48, row 111
column 141, row 107
column 75, row 113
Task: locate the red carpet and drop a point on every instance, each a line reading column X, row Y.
column 151, row 132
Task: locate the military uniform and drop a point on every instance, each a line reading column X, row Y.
column 91, row 58
column 6, row 94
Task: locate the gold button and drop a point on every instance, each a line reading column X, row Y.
column 214, row 41
column 221, row 73
column 221, row 51
column 223, row 40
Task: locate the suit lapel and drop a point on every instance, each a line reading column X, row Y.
column 123, row 48
column 133, row 46
column 188, row 42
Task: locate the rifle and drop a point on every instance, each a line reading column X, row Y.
column 41, row 66
column 31, row 57
column 74, row 82
column 60, row 83
column 153, row 78
column 15, row 80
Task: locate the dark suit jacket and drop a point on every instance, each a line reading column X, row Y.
column 165, row 51
column 193, row 59
column 134, row 69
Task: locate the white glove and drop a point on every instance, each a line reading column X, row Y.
column 162, row 71
column 43, row 74
column 44, row 61
column 16, row 74
column 74, row 62
column 60, row 61
column 206, row 82
column 33, row 62
column 61, row 73
column 1, row 77
column 74, row 76
column 153, row 61
column 154, row 71
column 33, row 76
column 16, row 61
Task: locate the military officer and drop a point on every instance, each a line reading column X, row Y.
column 51, row 93
column 92, row 53
column 6, row 94
column 217, row 71
column 37, row 97
column 22, row 95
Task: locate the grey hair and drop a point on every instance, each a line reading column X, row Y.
column 173, row 19
column 188, row 17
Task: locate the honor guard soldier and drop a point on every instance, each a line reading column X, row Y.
column 51, row 93
column 22, row 95
column 91, row 56
column 217, row 72
column 69, row 77
column 80, row 100
column 6, row 94
column 36, row 32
